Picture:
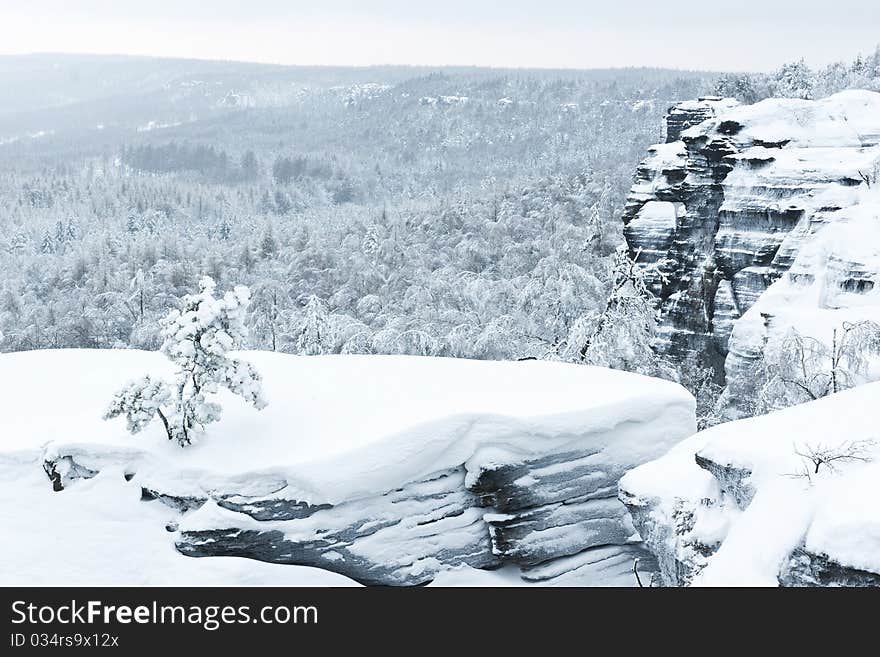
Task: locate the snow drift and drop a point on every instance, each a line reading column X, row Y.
column 745, row 503
column 387, row 469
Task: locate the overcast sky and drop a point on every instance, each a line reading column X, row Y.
column 712, row 34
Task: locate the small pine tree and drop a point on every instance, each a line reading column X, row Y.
column 268, row 244
column 197, row 339
column 314, row 335
column 48, row 245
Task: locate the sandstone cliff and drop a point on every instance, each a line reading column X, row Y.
column 728, row 203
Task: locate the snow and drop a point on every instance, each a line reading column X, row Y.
column 848, row 118
column 846, row 522
column 833, row 513
column 758, row 541
column 339, row 427
column 665, row 156
column 717, row 103
column 766, row 444
column 673, row 475
column 657, row 218
column 100, row 533
column 811, row 297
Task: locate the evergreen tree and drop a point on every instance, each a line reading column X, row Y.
column 197, row 340
column 314, row 336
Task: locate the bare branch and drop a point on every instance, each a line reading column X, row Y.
column 819, row 455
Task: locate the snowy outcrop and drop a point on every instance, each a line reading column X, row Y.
column 386, row 469
column 745, row 503
column 100, row 533
column 403, row 536
column 727, row 204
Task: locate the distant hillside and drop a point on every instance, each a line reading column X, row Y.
column 63, row 105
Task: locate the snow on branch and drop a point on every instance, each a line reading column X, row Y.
column 197, row 339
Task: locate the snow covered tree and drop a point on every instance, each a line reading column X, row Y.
column 743, row 87
column 268, row 314
column 619, row 336
column 794, row 80
column 140, row 401
column 268, row 244
column 136, row 302
column 197, row 339
column 815, row 456
column 314, row 336
column 800, row 368
column 47, row 245
column 700, row 380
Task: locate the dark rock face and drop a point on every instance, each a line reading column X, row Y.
column 557, row 516
column 554, row 506
column 555, row 478
column 612, row 565
column 529, row 513
column 732, row 481
column 721, row 211
column 271, row 509
column 690, row 113
column 176, row 502
column 683, row 179
column 669, row 535
column 678, row 554
column 803, row 568
column 402, row 537
column 546, row 532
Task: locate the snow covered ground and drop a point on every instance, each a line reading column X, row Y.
column 758, row 496
column 99, row 533
column 338, row 428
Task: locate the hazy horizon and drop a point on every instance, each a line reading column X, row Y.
column 564, row 35
column 124, row 55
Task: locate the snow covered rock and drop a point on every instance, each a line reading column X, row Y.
column 832, row 280
column 99, row 532
column 403, row 536
column 786, row 498
column 385, row 469
column 727, row 204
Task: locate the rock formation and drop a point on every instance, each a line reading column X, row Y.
column 742, row 504
column 557, row 516
column 724, row 207
column 385, row 469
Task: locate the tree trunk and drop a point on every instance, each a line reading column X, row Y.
column 834, row 361
column 165, row 422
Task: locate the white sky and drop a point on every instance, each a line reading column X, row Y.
column 703, row 34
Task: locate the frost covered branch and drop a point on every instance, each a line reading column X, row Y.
column 197, row 340
column 802, row 368
column 620, row 335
